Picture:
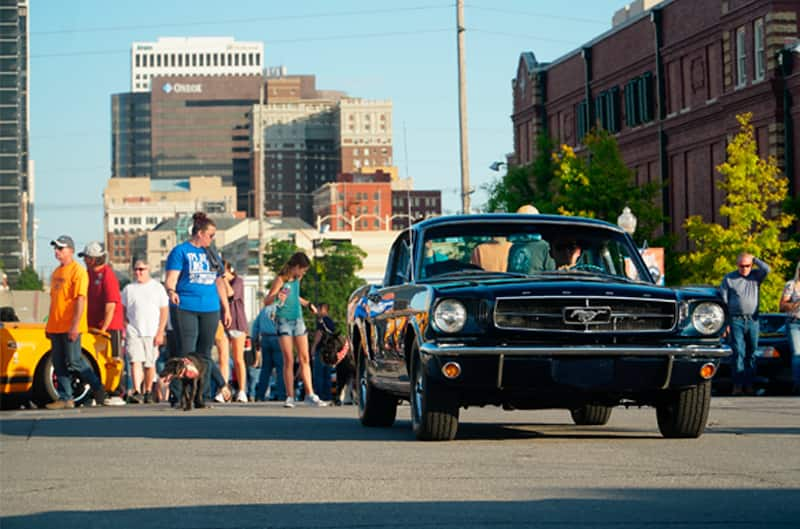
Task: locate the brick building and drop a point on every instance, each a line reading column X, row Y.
column 668, row 82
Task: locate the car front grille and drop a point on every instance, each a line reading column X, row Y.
column 581, row 314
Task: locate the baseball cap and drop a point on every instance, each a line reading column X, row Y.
column 63, row 241
column 93, row 249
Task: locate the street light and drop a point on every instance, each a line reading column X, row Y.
column 495, row 166
column 627, row 221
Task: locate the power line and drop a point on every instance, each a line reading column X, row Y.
column 245, row 20
column 349, row 36
column 537, row 15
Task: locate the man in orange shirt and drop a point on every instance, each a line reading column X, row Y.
column 67, row 320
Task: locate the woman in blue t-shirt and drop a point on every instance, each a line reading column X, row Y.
column 292, row 333
column 196, row 290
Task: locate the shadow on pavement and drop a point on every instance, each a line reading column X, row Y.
column 606, row 508
column 199, row 425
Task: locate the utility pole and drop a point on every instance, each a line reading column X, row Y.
column 462, row 109
column 259, row 188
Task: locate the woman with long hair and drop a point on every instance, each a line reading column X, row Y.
column 790, row 303
column 196, row 289
column 285, row 289
column 237, row 332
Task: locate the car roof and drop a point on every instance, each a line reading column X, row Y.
column 513, row 218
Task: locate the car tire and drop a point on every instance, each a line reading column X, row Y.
column 434, row 410
column 683, row 415
column 375, row 407
column 44, row 383
column 591, row 415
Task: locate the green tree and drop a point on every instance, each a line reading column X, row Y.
column 333, row 276
column 277, row 252
column 526, row 184
column 28, row 280
column 754, row 191
column 598, row 184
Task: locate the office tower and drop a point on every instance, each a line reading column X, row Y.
column 17, row 237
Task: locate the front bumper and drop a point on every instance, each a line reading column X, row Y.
column 619, row 369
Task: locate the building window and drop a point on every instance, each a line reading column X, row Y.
column 741, row 58
column 582, row 119
column 639, row 100
column 758, row 49
column 606, row 106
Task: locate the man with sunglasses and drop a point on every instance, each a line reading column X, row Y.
column 65, row 324
column 146, row 308
column 741, row 290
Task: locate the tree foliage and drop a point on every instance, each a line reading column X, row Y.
column 595, row 183
column 598, row 184
column 332, row 277
column 28, row 280
column 526, row 184
column 754, row 191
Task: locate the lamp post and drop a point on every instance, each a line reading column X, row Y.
column 495, row 166
column 627, row 221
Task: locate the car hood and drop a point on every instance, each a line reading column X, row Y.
column 559, row 286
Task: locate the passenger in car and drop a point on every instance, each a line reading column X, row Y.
column 567, row 254
column 492, row 255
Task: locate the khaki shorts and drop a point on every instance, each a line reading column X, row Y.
column 142, row 349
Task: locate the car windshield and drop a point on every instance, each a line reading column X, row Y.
column 529, row 249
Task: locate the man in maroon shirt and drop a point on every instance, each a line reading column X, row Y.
column 104, row 304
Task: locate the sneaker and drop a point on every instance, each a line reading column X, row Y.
column 288, row 403
column 241, row 396
column 114, row 401
column 219, row 397
column 314, row 400
column 135, row 398
column 60, row 404
column 148, row 397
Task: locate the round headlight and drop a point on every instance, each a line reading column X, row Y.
column 450, row 315
column 708, row 318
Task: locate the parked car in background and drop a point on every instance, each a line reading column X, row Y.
column 26, row 367
column 773, row 359
column 530, row 312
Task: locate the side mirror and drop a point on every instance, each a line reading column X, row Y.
column 655, row 273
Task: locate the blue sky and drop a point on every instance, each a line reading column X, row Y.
column 403, row 51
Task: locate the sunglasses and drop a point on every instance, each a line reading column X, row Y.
column 745, row 266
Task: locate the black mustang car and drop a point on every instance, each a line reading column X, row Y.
column 530, row 312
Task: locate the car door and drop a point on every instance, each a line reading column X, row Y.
column 383, row 304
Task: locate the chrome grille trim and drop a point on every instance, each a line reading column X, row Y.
column 547, row 314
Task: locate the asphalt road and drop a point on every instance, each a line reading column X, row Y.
column 261, row 466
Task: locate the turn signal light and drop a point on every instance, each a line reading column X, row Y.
column 768, row 352
column 451, row 370
column 708, row 370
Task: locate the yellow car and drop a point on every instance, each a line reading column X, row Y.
column 26, row 367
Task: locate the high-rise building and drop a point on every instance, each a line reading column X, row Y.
column 365, row 134
column 17, row 239
column 298, row 140
column 193, row 56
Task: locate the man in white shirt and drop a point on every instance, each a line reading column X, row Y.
column 146, row 309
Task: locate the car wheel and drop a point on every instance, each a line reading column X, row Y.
column 45, row 384
column 591, row 415
column 685, row 412
column 375, row 407
column 434, row 411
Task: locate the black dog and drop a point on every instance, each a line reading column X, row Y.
column 335, row 350
column 191, row 371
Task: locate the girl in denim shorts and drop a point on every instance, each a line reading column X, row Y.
column 285, row 290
